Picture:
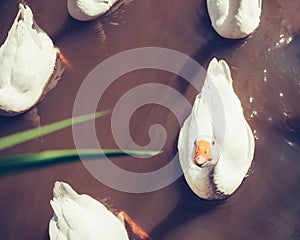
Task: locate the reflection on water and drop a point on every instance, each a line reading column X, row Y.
column 265, row 69
column 285, row 58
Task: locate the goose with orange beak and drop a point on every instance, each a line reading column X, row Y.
column 216, row 144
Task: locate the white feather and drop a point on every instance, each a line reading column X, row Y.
column 85, row 10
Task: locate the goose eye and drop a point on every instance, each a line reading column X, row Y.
column 213, row 143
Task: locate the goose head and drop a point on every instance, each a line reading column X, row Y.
column 204, row 153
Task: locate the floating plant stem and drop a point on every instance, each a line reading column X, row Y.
column 24, row 136
column 17, row 162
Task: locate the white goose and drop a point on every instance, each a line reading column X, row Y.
column 234, row 18
column 85, row 10
column 216, row 144
column 27, row 61
column 82, row 217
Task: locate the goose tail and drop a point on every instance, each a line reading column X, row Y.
column 219, row 68
column 62, row 190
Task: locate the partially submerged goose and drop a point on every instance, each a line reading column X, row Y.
column 234, row 18
column 27, row 61
column 82, row 217
column 216, row 144
column 85, row 10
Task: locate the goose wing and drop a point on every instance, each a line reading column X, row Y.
column 197, row 125
column 235, row 135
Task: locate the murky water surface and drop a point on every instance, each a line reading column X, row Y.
column 265, row 69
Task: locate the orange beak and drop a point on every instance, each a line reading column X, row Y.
column 203, row 153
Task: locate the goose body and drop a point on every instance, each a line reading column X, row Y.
column 27, row 61
column 234, row 18
column 82, row 217
column 216, row 119
column 85, row 10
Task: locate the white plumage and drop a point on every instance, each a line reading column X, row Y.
column 85, row 10
column 82, row 217
column 217, row 117
column 234, row 18
column 27, row 61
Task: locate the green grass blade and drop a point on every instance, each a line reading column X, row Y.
column 12, row 163
column 21, row 137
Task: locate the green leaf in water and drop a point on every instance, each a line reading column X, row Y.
column 12, row 163
column 21, row 137
column 17, row 162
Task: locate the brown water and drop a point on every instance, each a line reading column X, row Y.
column 265, row 68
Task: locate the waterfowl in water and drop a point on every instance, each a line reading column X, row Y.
column 216, row 144
column 234, row 18
column 82, row 217
column 85, row 10
column 27, row 61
